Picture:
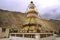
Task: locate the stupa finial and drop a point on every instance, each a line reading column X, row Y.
column 31, row 5
column 31, row 1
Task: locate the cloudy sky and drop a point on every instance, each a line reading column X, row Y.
column 48, row 9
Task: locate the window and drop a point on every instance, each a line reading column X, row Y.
column 3, row 29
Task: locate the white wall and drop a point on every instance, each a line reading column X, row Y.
column 5, row 39
column 58, row 38
column 20, row 38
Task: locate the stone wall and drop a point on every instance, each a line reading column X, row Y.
column 4, row 34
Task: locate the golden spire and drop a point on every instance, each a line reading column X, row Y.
column 31, row 5
column 31, row 13
column 31, row 10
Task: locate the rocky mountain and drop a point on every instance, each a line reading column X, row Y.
column 11, row 19
column 50, row 24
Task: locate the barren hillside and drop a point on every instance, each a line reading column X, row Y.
column 16, row 19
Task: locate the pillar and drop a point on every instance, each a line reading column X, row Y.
column 23, row 35
column 37, row 36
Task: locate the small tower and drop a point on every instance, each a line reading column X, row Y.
column 30, row 24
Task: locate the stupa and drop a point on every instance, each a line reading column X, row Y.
column 31, row 24
column 31, row 27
